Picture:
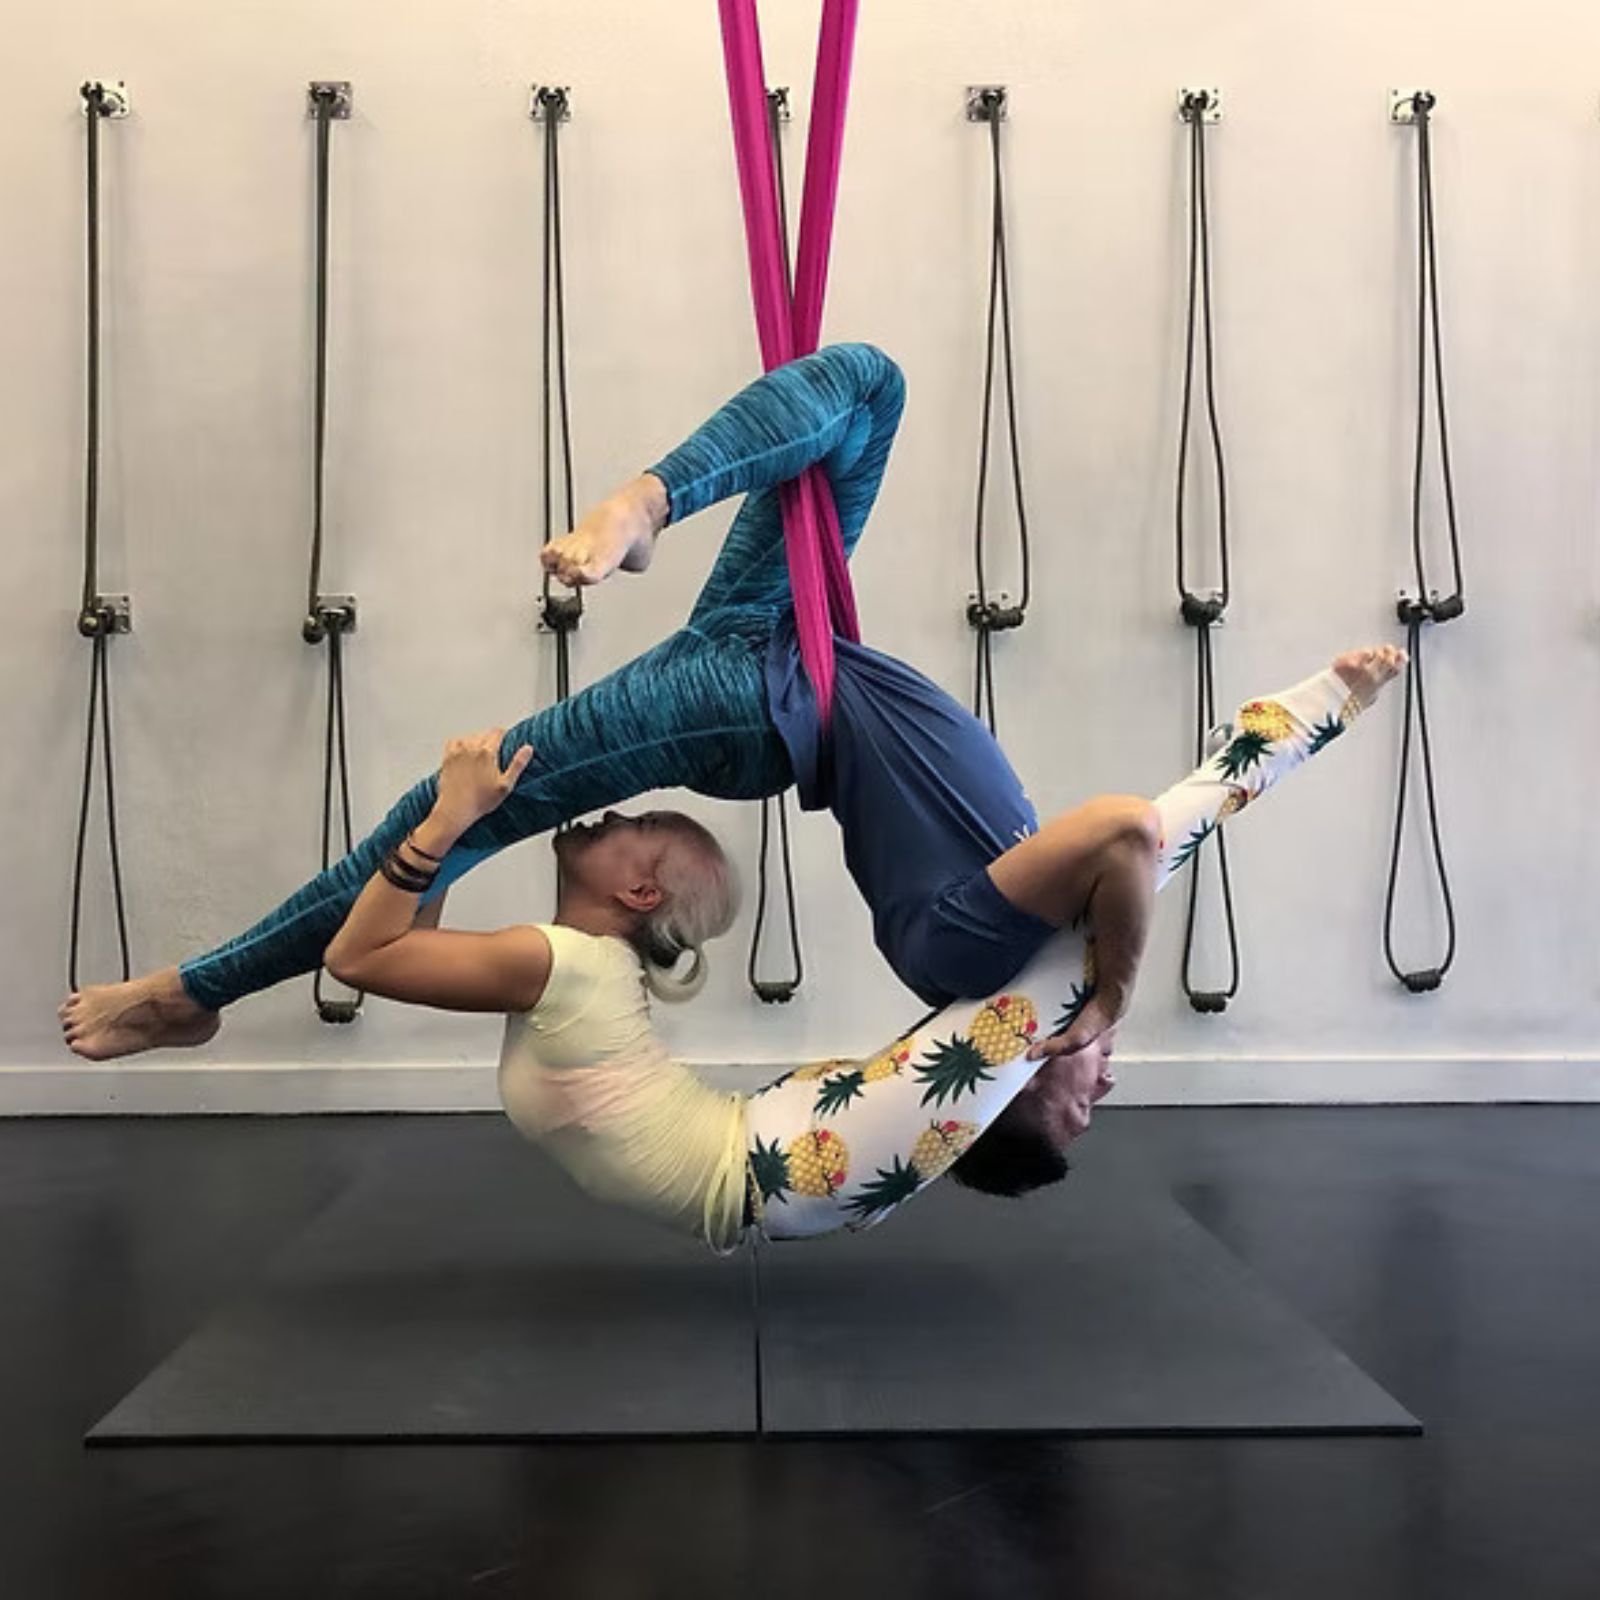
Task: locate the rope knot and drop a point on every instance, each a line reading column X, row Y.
column 1202, row 611
column 561, row 613
column 989, row 617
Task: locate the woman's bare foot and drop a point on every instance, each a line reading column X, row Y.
column 619, row 532
column 154, row 1012
column 1366, row 671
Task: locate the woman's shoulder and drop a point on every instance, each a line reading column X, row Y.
column 599, row 956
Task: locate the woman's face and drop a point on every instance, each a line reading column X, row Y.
column 616, row 855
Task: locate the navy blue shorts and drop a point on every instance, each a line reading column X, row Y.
column 969, row 941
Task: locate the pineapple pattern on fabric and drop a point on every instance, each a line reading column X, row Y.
column 1267, row 717
column 891, row 1063
column 1238, row 799
column 809, row 1074
column 816, row 1165
column 937, row 1149
column 849, row 1081
column 1004, row 1028
column 875, row 1132
column 879, row 1195
column 1324, row 733
column 838, row 1091
column 1001, row 1031
column 819, row 1163
column 1244, row 751
column 820, row 1069
column 940, row 1146
column 1184, row 854
column 769, row 1171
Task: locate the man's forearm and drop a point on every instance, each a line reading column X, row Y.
column 1119, row 910
column 384, row 913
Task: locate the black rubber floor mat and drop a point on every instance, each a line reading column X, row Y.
column 491, row 1300
column 1097, row 1308
column 488, row 1301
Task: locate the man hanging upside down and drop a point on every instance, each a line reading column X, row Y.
column 966, row 889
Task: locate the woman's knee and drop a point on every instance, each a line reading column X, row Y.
column 873, row 375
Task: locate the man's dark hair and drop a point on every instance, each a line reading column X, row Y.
column 1010, row 1157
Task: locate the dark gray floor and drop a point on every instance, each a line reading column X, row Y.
column 491, row 1300
column 486, row 1298
column 1455, row 1254
column 1097, row 1307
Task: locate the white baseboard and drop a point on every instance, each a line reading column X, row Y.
column 286, row 1089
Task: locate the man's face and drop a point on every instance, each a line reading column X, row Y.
column 1061, row 1095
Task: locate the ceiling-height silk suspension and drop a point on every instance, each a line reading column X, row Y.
column 788, row 325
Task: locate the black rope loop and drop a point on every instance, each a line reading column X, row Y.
column 1427, row 606
column 776, row 991
column 97, row 616
column 99, row 698
column 313, row 629
column 984, row 615
column 559, row 613
column 1427, row 979
column 1203, row 612
column 344, row 1010
column 92, row 620
column 1208, row 1001
column 327, row 619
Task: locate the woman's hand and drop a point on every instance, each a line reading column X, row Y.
column 471, row 784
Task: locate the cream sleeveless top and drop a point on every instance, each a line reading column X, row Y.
column 584, row 1075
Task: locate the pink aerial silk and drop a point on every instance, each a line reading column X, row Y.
column 824, row 602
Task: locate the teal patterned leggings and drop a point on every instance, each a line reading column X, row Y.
column 692, row 712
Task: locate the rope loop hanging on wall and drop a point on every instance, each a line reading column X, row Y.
column 559, row 614
column 1203, row 611
column 1426, row 606
column 990, row 613
column 777, row 991
column 329, row 618
column 100, row 616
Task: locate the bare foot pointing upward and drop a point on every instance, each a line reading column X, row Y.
column 1366, row 671
column 619, row 532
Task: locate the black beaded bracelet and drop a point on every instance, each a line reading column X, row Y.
column 425, row 854
column 403, row 877
column 407, row 867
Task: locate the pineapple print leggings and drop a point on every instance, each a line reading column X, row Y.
column 690, row 713
column 839, row 1145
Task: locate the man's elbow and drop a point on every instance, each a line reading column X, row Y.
column 1137, row 828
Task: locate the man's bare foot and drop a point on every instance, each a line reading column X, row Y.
column 619, row 532
column 154, row 1012
column 1366, row 671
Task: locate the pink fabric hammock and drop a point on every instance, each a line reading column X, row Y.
column 819, row 576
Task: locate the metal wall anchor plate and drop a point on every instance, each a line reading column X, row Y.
column 337, row 90
column 114, row 96
column 987, row 102
column 543, row 97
